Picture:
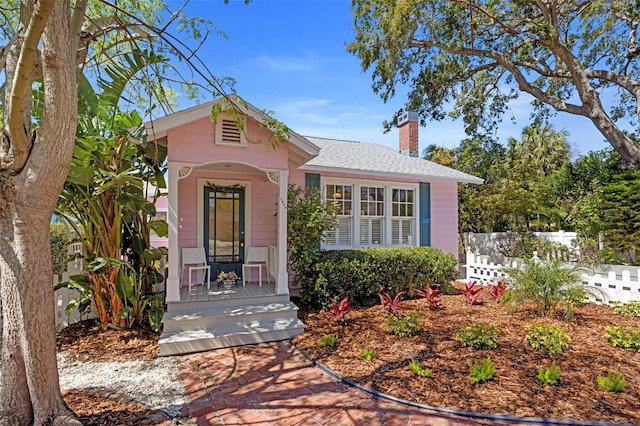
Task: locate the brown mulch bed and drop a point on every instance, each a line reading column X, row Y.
column 514, row 390
column 85, row 342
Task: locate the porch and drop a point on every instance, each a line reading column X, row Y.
column 200, row 293
column 213, row 318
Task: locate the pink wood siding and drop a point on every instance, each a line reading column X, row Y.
column 297, row 177
column 263, row 209
column 262, row 204
column 444, row 206
column 194, row 143
column 444, row 216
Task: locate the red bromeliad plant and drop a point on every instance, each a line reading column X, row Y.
column 391, row 305
column 432, row 295
column 497, row 289
column 471, row 291
column 339, row 310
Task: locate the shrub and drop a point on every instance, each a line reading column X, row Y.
column 367, row 354
column 549, row 375
column 471, row 291
column 328, row 341
column 546, row 284
column 624, row 337
column 431, row 295
column 392, row 306
column 308, row 218
column 406, row 326
column 629, row 309
column 522, row 245
column 612, row 383
column 549, row 337
column 478, row 336
column 339, row 310
column 59, row 239
column 497, row 289
column 364, row 273
column 418, row 369
column 481, row 372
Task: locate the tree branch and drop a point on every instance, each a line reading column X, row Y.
column 19, row 136
column 473, row 5
column 5, row 51
column 523, row 84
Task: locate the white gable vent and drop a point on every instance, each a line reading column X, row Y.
column 227, row 133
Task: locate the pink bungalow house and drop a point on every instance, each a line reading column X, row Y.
column 227, row 198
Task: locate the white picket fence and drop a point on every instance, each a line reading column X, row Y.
column 613, row 287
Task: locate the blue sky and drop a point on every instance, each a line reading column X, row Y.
column 289, row 56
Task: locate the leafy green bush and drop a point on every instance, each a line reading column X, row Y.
column 328, row 340
column 419, row 370
column 59, row 239
column 308, row 218
column 367, row 354
column 478, row 336
column 522, row 245
column 362, row 274
column 629, row 309
column 549, row 375
column 549, row 337
column 481, row 372
column 612, row 383
column 406, row 326
column 546, row 284
column 624, row 337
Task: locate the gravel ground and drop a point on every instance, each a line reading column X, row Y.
column 154, row 383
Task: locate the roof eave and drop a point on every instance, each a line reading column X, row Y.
column 393, row 175
column 158, row 128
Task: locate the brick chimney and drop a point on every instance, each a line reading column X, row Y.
column 408, row 125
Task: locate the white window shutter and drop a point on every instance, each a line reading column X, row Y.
column 344, row 231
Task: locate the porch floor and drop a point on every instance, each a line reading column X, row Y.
column 200, row 293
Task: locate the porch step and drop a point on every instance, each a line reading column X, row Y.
column 196, row 306
column 241, row 333
column 226, row 315
column 218, row 326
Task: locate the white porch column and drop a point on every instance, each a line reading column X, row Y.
column 173, row 281
column 282, row 281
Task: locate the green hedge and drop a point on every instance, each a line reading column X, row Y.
column 59, row 239
column 361, row 274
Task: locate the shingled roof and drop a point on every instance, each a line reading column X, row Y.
column 365, row 158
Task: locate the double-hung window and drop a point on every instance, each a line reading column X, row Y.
column 371, row 215
column 342, row 197
column 402, row 216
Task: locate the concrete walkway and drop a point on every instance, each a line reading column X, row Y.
column 273, row 384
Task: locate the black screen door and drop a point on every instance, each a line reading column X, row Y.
column 224, row 229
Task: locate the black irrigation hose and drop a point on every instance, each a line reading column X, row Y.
column 502, row 418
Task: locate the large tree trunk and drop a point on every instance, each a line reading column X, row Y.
column 628, row 149
column 29, row 386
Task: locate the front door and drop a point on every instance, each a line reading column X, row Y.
column 224, row 229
